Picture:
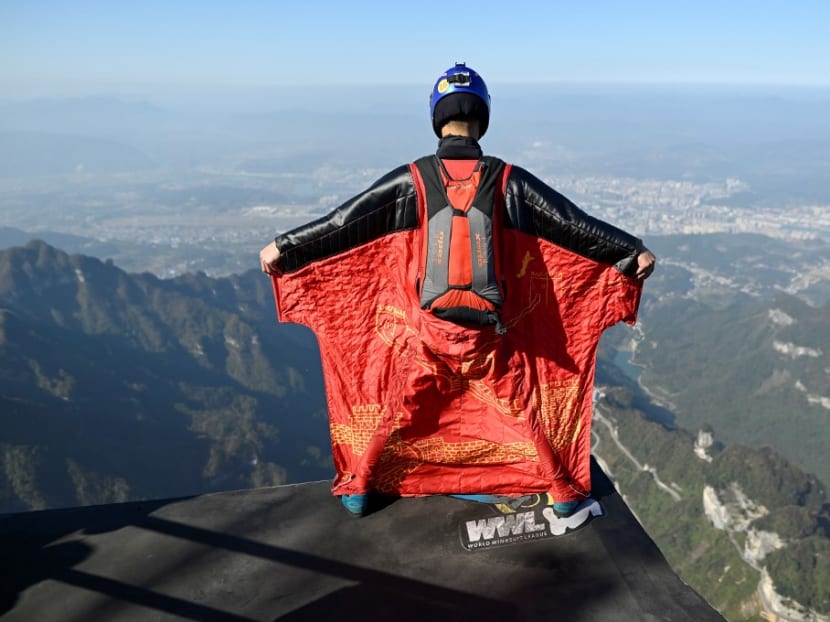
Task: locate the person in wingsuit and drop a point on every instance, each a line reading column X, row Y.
column 458, row 304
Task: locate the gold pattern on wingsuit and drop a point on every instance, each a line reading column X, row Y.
column 560, row 411
column 525, row 261
column 363, row 421
column 400, row 457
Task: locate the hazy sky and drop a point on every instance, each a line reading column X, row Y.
column 97, row 47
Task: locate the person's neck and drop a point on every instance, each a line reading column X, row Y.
column 459, row 148
column 460, row 127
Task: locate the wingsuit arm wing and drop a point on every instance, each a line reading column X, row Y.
column 387, row 206
column 535, row 208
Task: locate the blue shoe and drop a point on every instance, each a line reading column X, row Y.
column 357, row 505
column 565, row 509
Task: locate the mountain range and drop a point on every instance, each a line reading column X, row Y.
column 740, row 524
column 736, row 335
column 116, row 386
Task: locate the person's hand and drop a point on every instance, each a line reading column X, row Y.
column 269, row 258
column 645, row 264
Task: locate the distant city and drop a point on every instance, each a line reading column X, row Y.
column 173, row 190
column 673, row 207
column 244, row 213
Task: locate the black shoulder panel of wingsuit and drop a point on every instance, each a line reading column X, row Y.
column 535, row 208
column 387, row 206
column 390, row 205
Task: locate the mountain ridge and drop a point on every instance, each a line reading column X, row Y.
column 742, row 526
column 189, row 367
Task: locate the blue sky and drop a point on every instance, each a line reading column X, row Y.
column 72, row 48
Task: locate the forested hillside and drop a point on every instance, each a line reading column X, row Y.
column 116, row 386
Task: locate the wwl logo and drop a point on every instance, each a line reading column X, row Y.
column 540, row 523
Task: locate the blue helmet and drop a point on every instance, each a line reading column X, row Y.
column 459, row 92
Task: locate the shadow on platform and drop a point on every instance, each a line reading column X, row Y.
column 292, row 553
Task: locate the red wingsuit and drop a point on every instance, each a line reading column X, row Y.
column 419, row 405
